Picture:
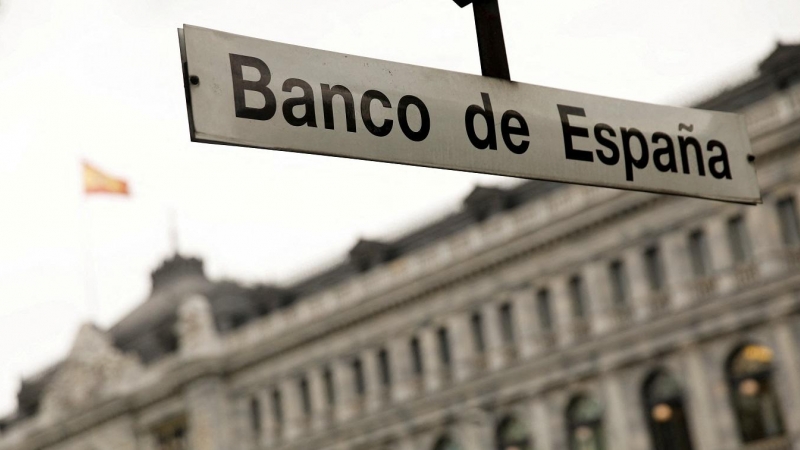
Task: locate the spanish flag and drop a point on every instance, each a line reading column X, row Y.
column 97, row 182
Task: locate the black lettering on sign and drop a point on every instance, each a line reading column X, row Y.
column 328, row 93
column 240, row 85
column 508, row 130
column 669, row 151
column 630, row 160
column 722, row 158
column 686, row 142
column 490, row 141
column 306, row 100
column 402, row 117
column 366, row 115
column 613, row 157
column 564, row 111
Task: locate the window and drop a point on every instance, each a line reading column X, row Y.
column 585, row 424
column 477, row 332
column 577, row 293
column 698, row 251
column 445, row 443
column 543, row 308
column 171, row 435
column 305, row 396
column 330, row 393
column 416, row 357
column 619, row 283
column 358, row 377
column 385, row 368
column 739, row 240
column 277, row 409
column 654, row 268
column 511, row 434
column 255, row 416
column 506, row 323
column 665, row 413
column 790, row 225
column 444, row 347
column 752, row 393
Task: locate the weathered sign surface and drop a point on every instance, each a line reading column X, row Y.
column 256, row 93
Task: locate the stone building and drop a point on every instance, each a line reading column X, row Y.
column 542, row 316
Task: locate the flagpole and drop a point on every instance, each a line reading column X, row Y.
column 89, row 269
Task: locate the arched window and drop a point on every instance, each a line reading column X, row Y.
column 585, row 424
column 445, row 443
column 753, row 394
column 663, row 407
column 512, row 435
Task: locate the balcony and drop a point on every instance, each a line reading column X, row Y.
column 659, row 302
column 580, row 328
column 703, row 286
column 621, row 313
column 745, row 274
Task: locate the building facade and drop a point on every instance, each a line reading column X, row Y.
column 544, row 316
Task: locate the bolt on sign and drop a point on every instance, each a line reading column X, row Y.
column 255, row 93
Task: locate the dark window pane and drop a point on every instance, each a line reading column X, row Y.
column 578, row 295
column 358, row 377
column 619, row 282
column 416, row 356
column 277, row 407
column 507, row 323
column 477, row 333
column 739, row 240
column 330, row 393
column 444, row 346
column 384, row 367
column 698, row 251
column 790, row 226
column 543, row 308
column 305, row 396
column 654, row 267
column 255, row 415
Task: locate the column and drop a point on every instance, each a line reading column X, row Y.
column 463, row 345
column 721, row 254
column 523, row 302
column 699, row 402
column 292, row 408
column 600, row 307
column 540, row 426
column 638, row 283
column 243, row 426
column 431, row 361
column 208, row 412
column 372, row 378
column 677, row 266
column 320, row 409
column 787, row 376
column 563, row 315
column 493, row 335
column 344, row 382
column 269, row 432
column 765, row 234
column 402, row 372
column 615, row 412
column 726, row 424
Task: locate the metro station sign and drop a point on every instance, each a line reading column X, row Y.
column 255, row 93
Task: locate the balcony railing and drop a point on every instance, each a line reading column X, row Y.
column 703, row 286
column 745, row 273
column 580, row 328
column 659, row 301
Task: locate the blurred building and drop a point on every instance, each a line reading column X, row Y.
column 543, row 317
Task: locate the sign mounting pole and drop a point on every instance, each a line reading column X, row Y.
column 491, row 45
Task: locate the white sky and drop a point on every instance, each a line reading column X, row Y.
column 101, row 80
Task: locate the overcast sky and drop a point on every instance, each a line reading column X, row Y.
column 101, row 80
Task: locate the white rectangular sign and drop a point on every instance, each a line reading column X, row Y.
column 256, row 93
